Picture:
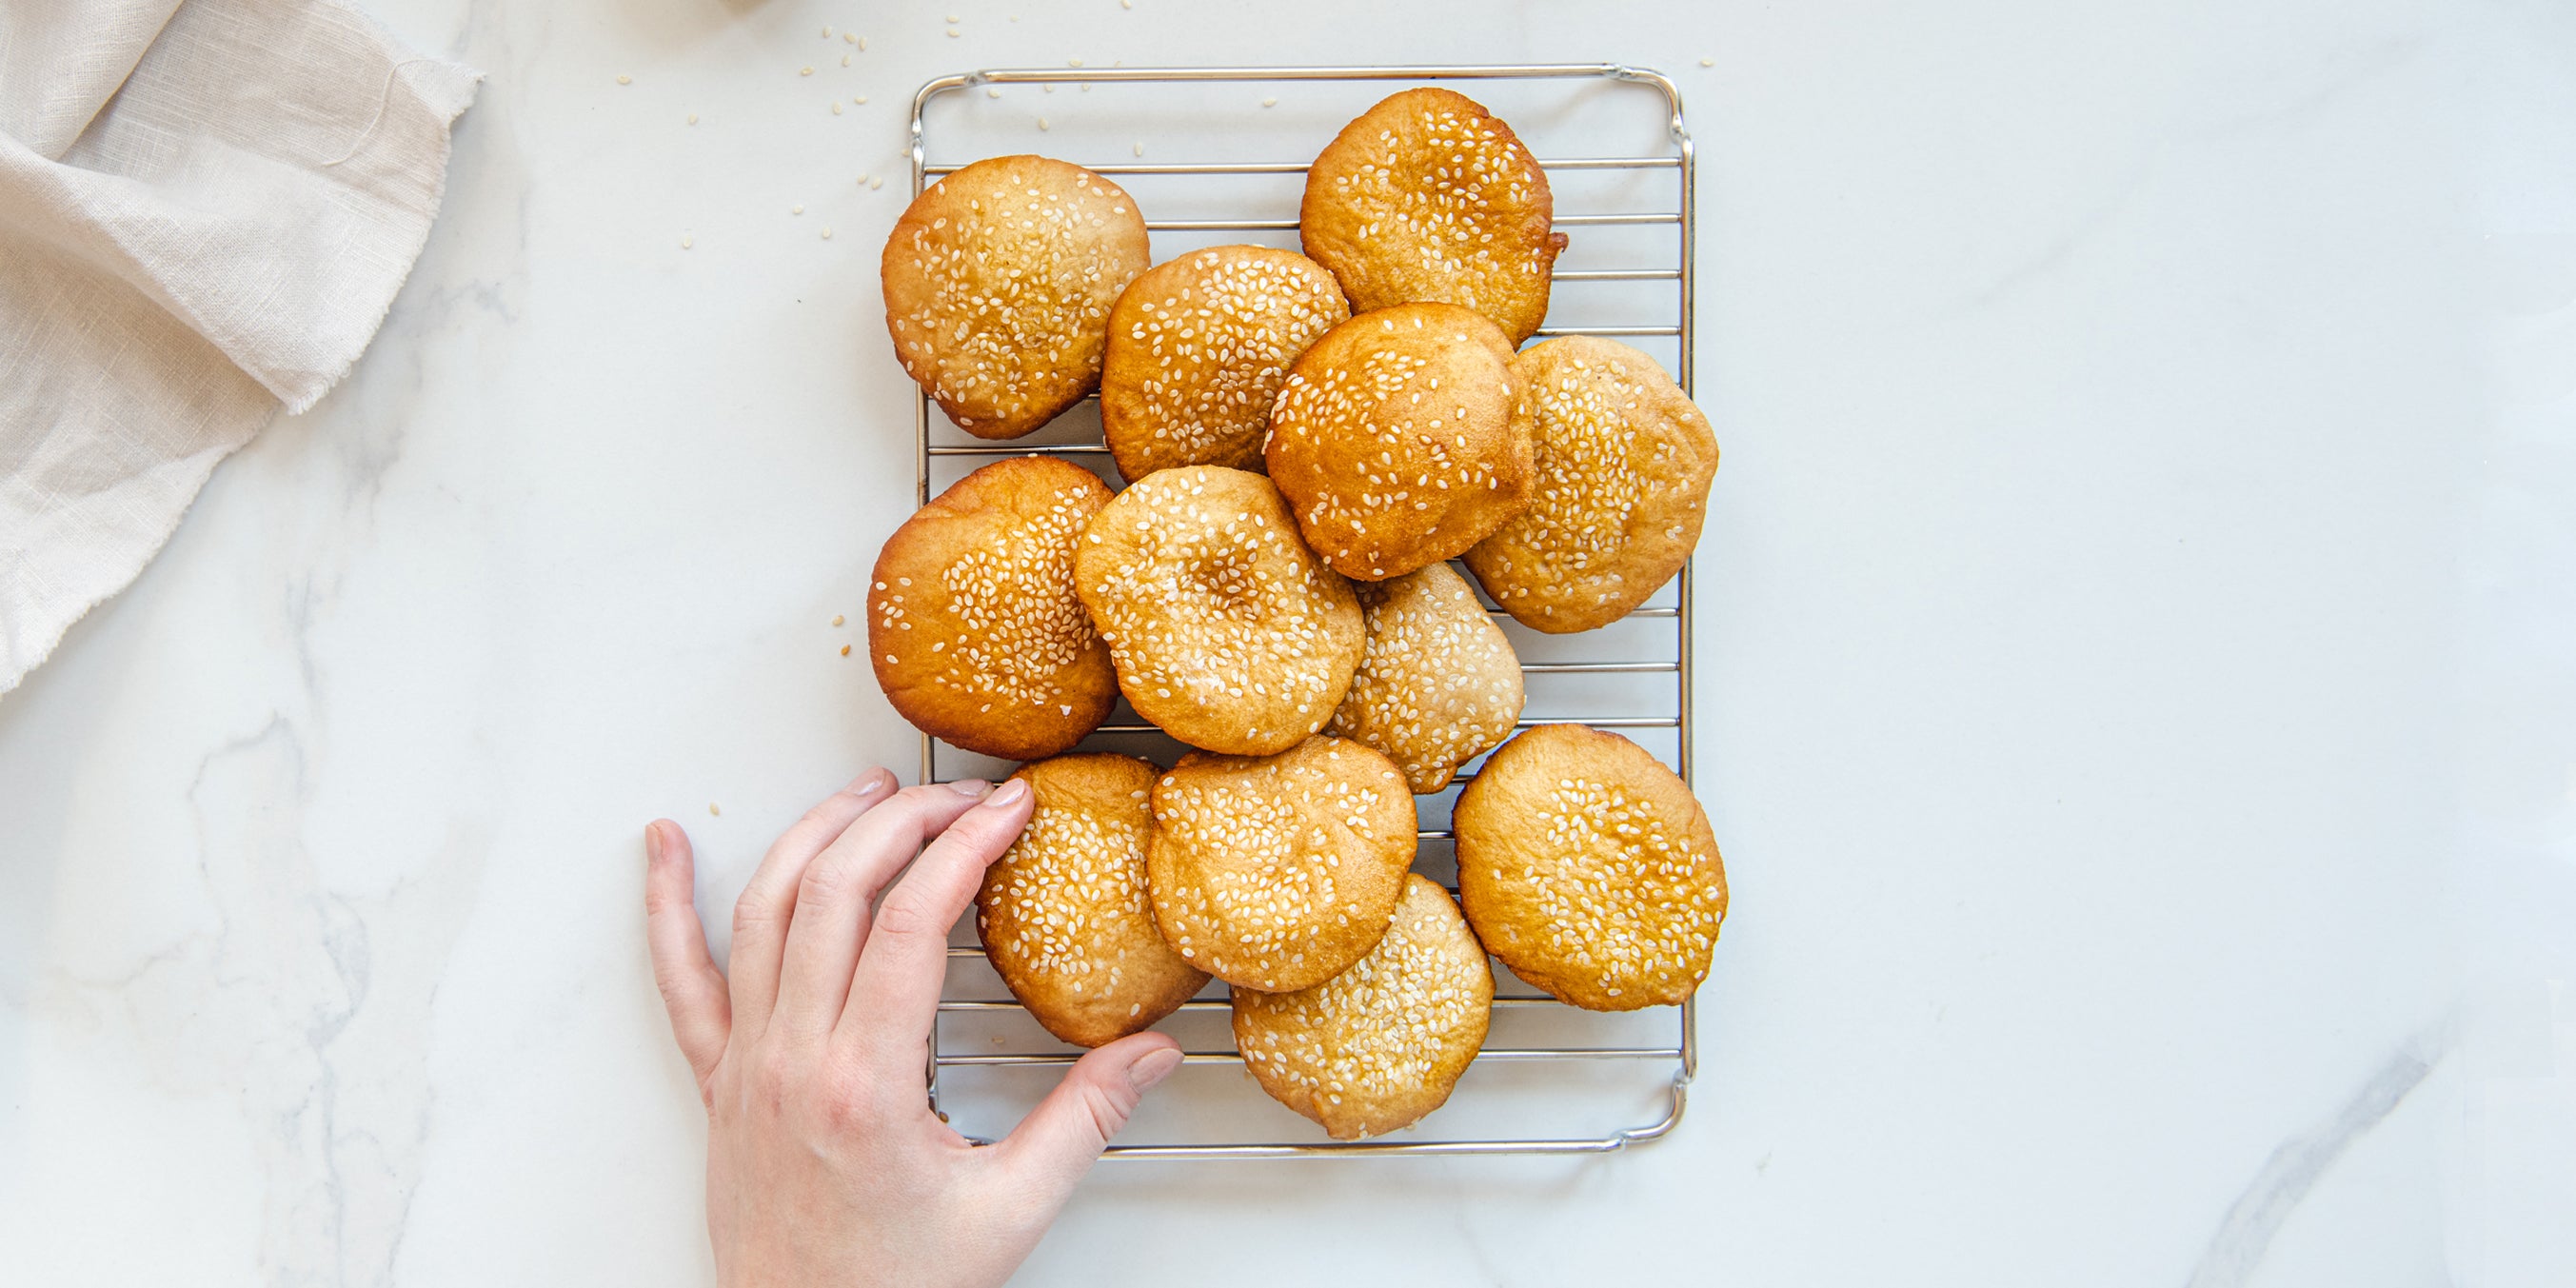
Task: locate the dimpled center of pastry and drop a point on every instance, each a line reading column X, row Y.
column 1618, row 891
column 1089, row 877
column 1020, row 624
column 1459, row 172
column 1013, row 288
column 1181, row 611
column 1222, row 346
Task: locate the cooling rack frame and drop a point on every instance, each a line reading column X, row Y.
column 1684, row 1052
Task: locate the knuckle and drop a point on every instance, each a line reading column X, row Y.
column 823, row 879
column 1108, row 1112
column 750, row 914
column 772, row 1086
column 906, row 914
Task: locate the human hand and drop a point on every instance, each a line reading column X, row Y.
column 824, row 1161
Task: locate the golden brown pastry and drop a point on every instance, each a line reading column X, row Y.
column 1589, row 869
column 1381, row 1044
column 1624, row 466
column 1062, row 914
column 974, row 629
column 1276, row 872
column 1225, row 629
column 1401, row 438
column 1438, row 685
column 1427, row 196
column 1198, row 347
column 998, row 283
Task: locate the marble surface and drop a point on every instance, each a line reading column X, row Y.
column 2136, row 707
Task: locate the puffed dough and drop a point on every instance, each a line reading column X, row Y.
column 1589, row 869
column 974, row 628
column 1063, row 915
column 1381, row 1044
column 998, row 284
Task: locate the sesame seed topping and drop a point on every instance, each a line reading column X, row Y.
column 1283, row 868
column 1196, row 578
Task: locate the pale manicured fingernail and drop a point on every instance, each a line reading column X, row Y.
column 975, row 787
column 653, row 841
column 1006, row 795
column 1153, row 1067
column 872, row 784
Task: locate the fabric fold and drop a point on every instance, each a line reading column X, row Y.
column 224, row 234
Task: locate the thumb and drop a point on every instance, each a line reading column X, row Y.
column 1058, row 1142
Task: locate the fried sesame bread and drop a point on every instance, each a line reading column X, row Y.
column 1276, row 872
column 974, row 629
column 1381, row 1044
column 1401, row 438
column 1427, row 196
column 1224, row 628
column 1589, row 869
column 1197, row 349
column 1438, row 684
column 1062, row 914
column 1624, row 466
column 998, row 283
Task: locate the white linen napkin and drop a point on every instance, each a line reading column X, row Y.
column 205, row 210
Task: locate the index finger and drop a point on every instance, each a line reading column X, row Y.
column 895, row 993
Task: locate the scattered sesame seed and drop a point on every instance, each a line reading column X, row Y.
column 952, row 33
column 1708, row 62
column 861, row 100
column 836, row 107
column 953, row 20
column 687, row 242
column 1140, row 149
column 992, row 91
column 624, row 79
column 845, row 60
column 711, row 808
column 863, row 44
column 1270, row 102
column 1046, row 87
column 1042, row 124
column 827, row 33
column 797, row 209
column 693, row 118
column 837, row 619
column 845, row 650
column 1126, row 4
column 1073, row 62
column 804, row 71
column 827, row 234
column 874, row 184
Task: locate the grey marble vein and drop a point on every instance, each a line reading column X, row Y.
column 2287, row 1177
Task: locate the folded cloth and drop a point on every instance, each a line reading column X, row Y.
column 206, row 207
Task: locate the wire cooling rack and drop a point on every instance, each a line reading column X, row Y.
column 1618, row 154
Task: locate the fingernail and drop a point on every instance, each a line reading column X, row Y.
column 1153, row 1067
column 975, row 787
column 874, row 783
column 1008, row 794
column 653, row 841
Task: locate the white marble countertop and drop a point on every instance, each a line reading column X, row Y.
column 2131, row 706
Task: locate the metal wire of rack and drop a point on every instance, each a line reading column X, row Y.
column 1682, row 1050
